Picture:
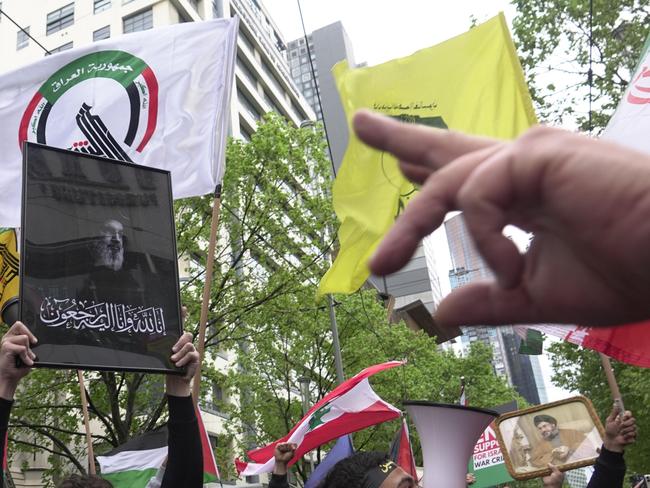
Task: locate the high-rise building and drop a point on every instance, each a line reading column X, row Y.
column 327, row 46
column 467, row 266
column 262, row 84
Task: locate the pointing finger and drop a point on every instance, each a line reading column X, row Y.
column 425, row 212
column 417, row 145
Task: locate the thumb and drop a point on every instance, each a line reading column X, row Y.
column 614, row 417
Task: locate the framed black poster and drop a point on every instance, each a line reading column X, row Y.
column 99, row 273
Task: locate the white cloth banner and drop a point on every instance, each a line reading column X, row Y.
column 630, row 124
column 159, row 98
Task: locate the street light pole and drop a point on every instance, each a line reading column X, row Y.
column 306, row 404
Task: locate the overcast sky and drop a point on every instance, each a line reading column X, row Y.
column 381, row 30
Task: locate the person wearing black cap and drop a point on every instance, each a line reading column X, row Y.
column 368, row 470
column 556, row 445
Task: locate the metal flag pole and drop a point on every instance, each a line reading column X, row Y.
column 611, row 380
column 338, row 360
column 207, row 287
column 89, row 438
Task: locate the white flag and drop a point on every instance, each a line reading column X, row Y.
column 158, row 98
column 630, row 124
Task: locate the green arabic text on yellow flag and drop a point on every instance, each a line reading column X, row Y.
column 471, row 83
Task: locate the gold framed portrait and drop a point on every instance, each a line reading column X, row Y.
column 566, row 434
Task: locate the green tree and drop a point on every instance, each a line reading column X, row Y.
column 552, row 39
column 580, row 370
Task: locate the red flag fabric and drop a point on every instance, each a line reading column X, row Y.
column 210, row 469
column 401, row 451
column 628, row 343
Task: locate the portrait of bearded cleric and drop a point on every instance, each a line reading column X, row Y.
column 565, row 433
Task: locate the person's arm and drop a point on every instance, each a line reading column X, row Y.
column 16, row 343
column 609, row 470
column 283, row 453
column 185, row 456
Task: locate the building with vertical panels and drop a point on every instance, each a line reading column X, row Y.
column 327, row 46
column 262, row 84
column 467, row 266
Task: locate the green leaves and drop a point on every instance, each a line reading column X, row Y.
column 553, row 41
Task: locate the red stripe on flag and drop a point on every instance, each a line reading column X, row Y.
column 152, row 83
column 209, row 463
column 4, row 457
column 24, row 122
column 263, row 454
column 405, row 458
column 628, row 343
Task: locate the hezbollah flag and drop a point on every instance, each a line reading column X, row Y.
column 9, row 261
column 139, row 462
column 158, row 98
column 471, row 83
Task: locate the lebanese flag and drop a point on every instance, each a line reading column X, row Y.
column 350, row 407
column 401, row 451
column 628, row 343
column 135, row 463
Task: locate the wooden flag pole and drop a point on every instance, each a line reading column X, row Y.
column 89, row 438
column 611, row 380
column 207, row 286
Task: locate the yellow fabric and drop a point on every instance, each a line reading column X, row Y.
column 8, row 268
column 471, row 83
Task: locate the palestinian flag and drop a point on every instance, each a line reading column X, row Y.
column 350, row 407
column 135, row 463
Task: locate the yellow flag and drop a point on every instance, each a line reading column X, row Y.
column 8, row 268
column 471, row 83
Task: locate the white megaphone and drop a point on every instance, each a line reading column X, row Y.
column 448, row 434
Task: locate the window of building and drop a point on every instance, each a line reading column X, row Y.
column 138, row 22
column 306, row 77
column 64, row 47
column 22, row 39
column 248, row 106
column 217, row 9
column 294, row 54
column 60, row 18
column 101, row 5
column 103, row 33
column 303, row 59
